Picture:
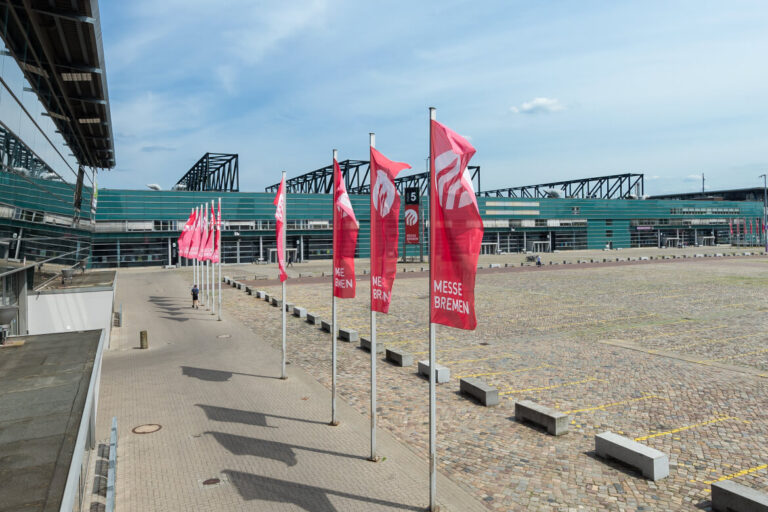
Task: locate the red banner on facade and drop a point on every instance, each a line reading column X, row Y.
column 345, row 229
column 456, row 230
column 279, row 203
column 412, row 213
column 385, row 210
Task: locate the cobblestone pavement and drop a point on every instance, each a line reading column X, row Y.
column 672, row 354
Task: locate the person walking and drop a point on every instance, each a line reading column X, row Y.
column 195, row 294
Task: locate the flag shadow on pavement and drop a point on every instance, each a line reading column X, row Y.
column 227, row 415
column 310, row 498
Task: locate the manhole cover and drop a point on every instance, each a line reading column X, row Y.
column 149, row 428
column 211, row 481
column 223, row 336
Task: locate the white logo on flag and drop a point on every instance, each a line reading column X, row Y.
column 411, row 217
column 383, row 193
column 450, row 185
column 280, row 208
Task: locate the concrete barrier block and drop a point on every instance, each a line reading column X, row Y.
column 399, row 357
column 718, row 255
column 728, row 496
column 494, row 265
column 442, row 373
column 652, row 463
column 643, row 258
column 349, row 335
column 299, row 312
column 288, row 307
column 554, row 421
column 698, row 255
column 240, row 286
column 325, row 326
column 365, row 344
column 248, row 290
column 276, row 302
column 313, row 319
column 260, row 294
column 485, row 394
column 267, row 297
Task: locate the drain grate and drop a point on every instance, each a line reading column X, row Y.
column 149, row 428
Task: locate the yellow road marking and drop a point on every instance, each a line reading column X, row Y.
column 502, row 356
column 613, row 404
column 676, row 333
column 724, row 340
column 504, row 372
column 553, row 386
column 687, row 427
column 734, row 356
column 738, row 473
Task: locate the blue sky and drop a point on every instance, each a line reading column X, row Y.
column 544, row 90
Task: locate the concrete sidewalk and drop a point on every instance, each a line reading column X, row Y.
column 214, row 388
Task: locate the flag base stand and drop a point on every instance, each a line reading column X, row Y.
column 377, row 458
column 285, row 377
column 334, row 423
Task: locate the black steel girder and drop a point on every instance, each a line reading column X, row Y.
column 17, row 157
column 357, row 178
column 617, row 186
column 219, row 172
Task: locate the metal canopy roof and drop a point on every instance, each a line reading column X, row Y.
column 57, row 44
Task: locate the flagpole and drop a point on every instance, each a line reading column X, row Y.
column 218, row 226
column 194, row 259
column 205, row 262
column 213, row 265
column 432, row 355
column 374, row 457
column 285, row 226
column 334, row 421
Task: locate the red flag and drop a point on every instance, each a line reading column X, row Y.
column 279, row 203
column 345, row 228
column 186, row 234
column 730, row 225
column 456, row 230
column 197, row 238
column 216, row 257
column 750, row 226
column 209, row 236
column 385, row 211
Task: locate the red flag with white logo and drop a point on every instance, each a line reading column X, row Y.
column 279, row 203
column 216, row 257
column 197, row 237
column 186, row 235
column 730, row 225
column 209, row 236
column 456, row 230
column 345, row 229
column 385, row 213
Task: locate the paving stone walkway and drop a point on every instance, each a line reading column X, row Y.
column 233, row 435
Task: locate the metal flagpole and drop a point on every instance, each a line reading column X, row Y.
column 221, row 257
column 374, row 457
column 432, row 355
column 194, row 261
column 282, row 235
column 213, row 265
column 334, row 421
column 205, row 264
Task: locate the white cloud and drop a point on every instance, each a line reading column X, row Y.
column 693, row 177
column 539, row 106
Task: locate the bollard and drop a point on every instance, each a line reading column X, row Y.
column 143, row 343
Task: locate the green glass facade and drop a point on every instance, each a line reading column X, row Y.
column 139, row 227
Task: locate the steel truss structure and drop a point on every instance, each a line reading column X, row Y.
column 357, row 178
column 15, row 156
column 219, row 172
column 617, row 186
column 58, row 47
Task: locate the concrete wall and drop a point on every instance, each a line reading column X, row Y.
column 77, row 310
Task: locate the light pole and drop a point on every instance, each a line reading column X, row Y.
column 765, row 205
